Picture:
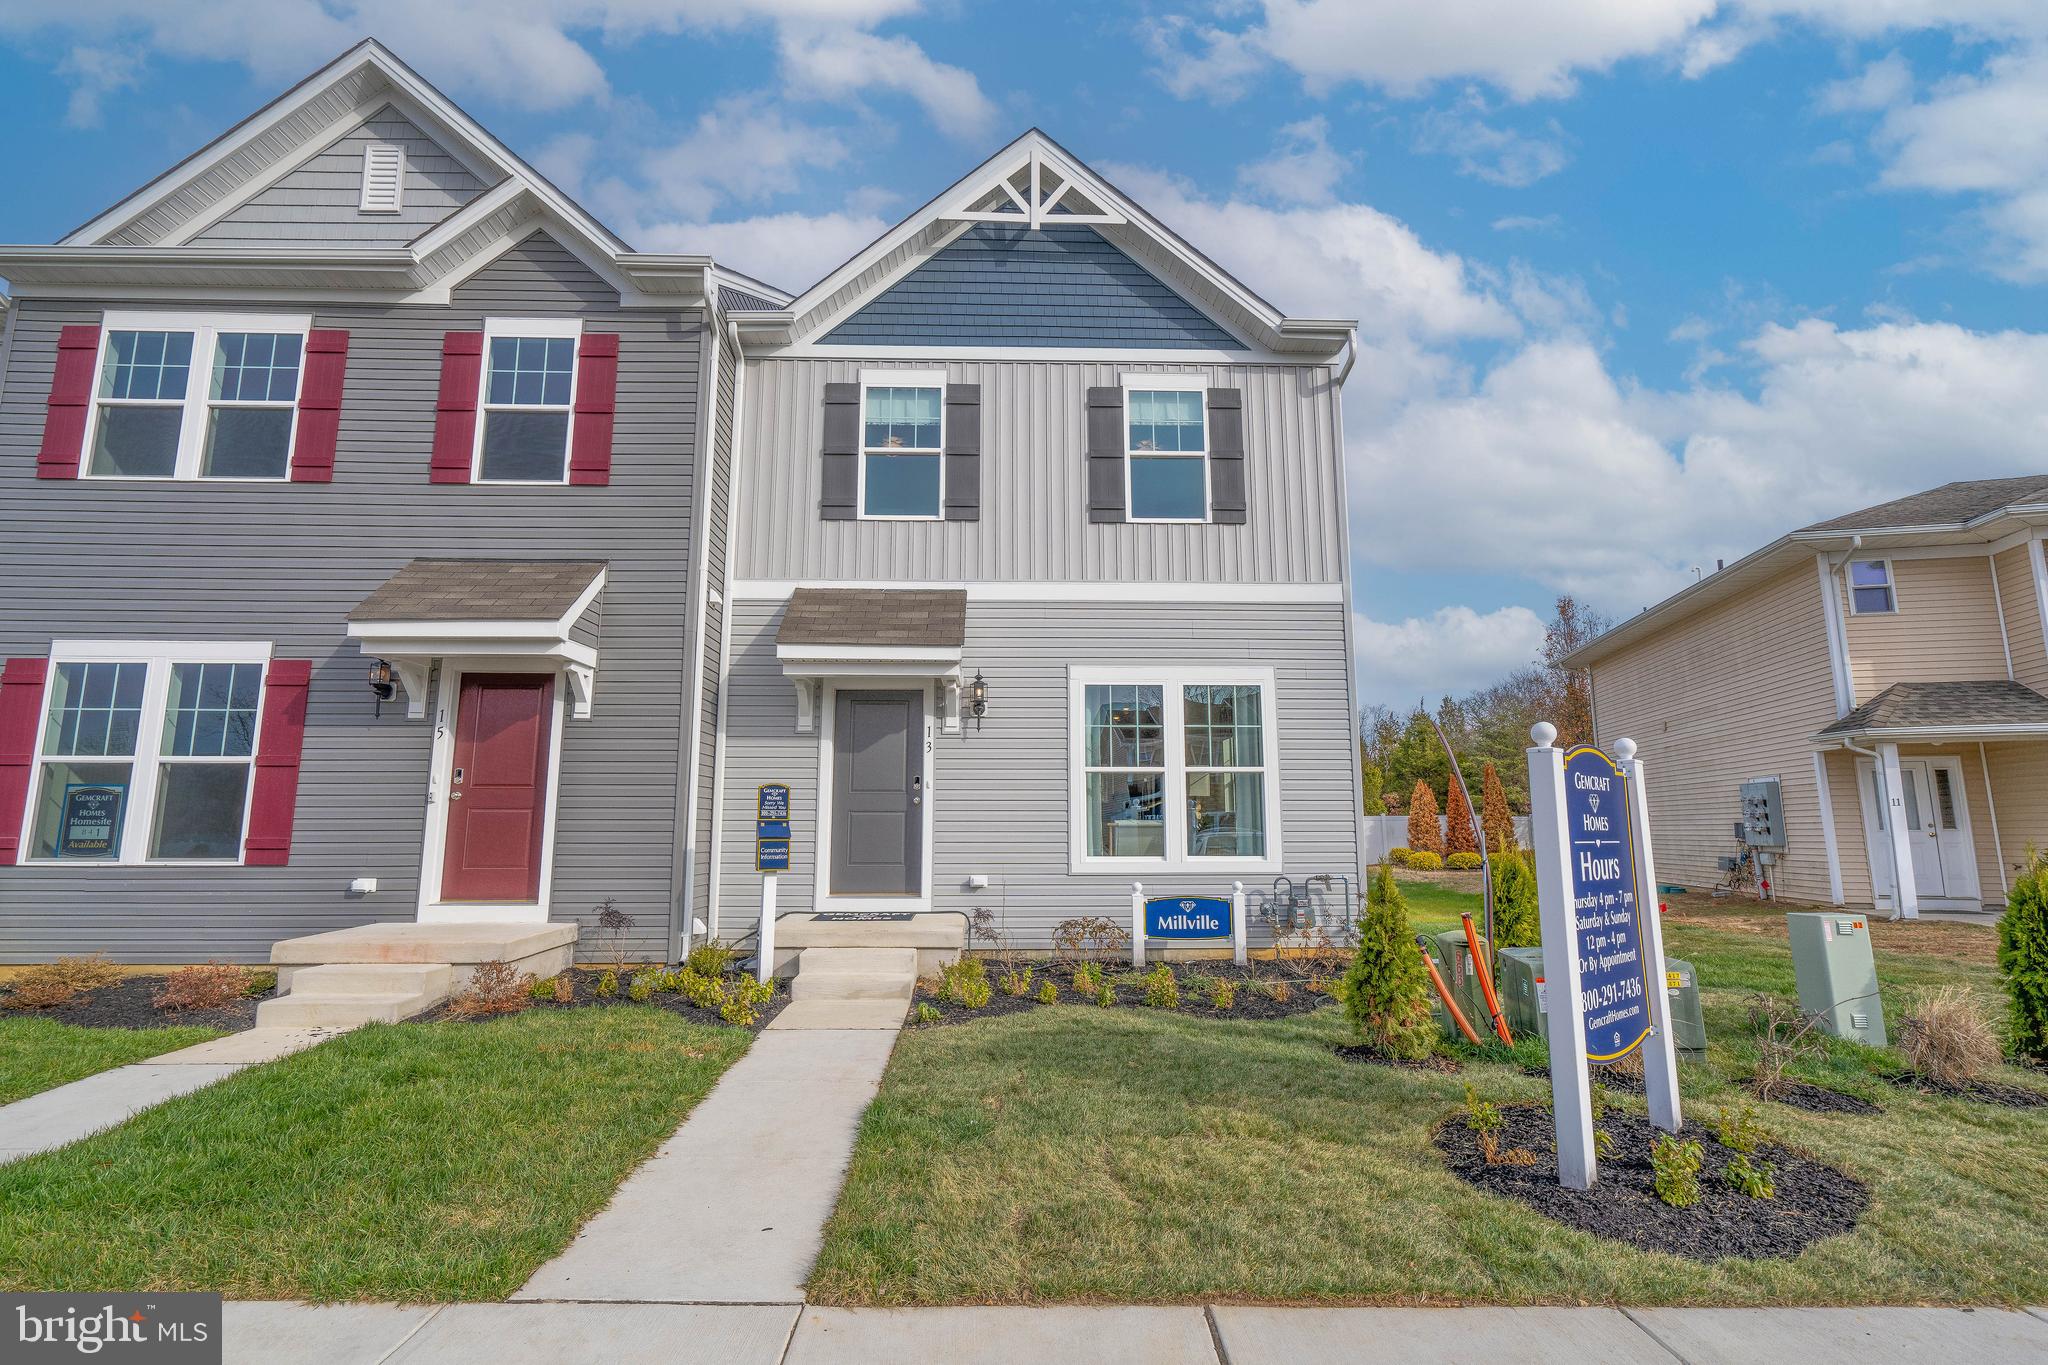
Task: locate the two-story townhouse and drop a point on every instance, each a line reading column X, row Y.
column 1040, row 582
column 358, row 540
column 1886, row 668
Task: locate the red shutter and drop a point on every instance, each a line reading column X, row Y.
column 319, row 407
column 70, row 401
column 597, row 399
column 21, row 709
column 462, row 369
column 276, row 797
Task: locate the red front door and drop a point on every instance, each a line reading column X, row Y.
column 498, row 788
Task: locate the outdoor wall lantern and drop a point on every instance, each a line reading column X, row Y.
column 381, row 686
column 977, row 698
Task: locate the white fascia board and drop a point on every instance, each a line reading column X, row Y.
column 866, row 654
column 773, row 349
column 1918, row 734
column 569, row 618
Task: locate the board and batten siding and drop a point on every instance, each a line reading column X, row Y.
column 1034, row 484
column 2017, row 593
column 284, row 562
column 1946, row 628
column 317, row 203
column 1001, row 791
column 1732, row 692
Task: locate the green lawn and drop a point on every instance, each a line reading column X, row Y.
column 39, row 1054
column 1072, row 1154
column 415, row 1162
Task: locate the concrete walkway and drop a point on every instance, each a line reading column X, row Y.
column 788, row 1334
column 732, row 1209
column 56, row 1118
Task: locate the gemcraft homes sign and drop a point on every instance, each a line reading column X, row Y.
column 1614, row 973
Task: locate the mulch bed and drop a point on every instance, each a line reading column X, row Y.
column 1986, row 1092
column 1435, row 1061
column 1253, row 1001
column 1819, row 1099
column 1812, row 1200
column 125, row 1004
column 1614, row 1079
column 586, row 979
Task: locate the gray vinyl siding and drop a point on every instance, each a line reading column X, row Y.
column 315, row 203
column 285, row 562
column 1001, row 793
column 1034, row 484
column 711, row 665
column 997, row 285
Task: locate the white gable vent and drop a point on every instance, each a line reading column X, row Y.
column 383, row 177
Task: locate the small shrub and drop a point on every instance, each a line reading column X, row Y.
column 1016, row 982
column 1462, row 862
column 1946, row 1038
column 1739, row 1129
column 607, row 984
column 1088, row 977
column 544, row 987
column 1106, row 997
column 1089, row 934
column 494, row 988
column 1162, row 992
column 1484, row 1119
column 1676, row 1170
column 710, row 959
column 1319, row 985
column 928, row 1013
column 1481, row 1116
column 214, row 986
column 1224, row 996
column 1603, row 1145
column 1048, row 992
column 1784, row 1035
column 700, row 990
column 1279, row 992
column 1399, row 855
column 565, row 988
column 1422, row 860
column 641, row 988
column 2023, row 958
column 613, row 923
column 49, row 984
column 1757, row 1179
column 966, row 983
column 1385, row 989
column 741, row 998
column 1516, row 921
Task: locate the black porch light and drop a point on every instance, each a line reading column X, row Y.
column 381, row 685
column 977, row 698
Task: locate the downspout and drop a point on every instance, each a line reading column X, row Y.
column 1838, row 627
column 1350, row 643
column 732, row 498
column 683, row 906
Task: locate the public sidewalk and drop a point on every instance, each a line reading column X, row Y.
column 791, row 1334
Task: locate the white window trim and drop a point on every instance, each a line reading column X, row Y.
column 898, row 379
column 206, row 329
column 570, row 328
column 139, row 809
column 397, row 204
column 1171, row 680
column 1165, row 383
column 1891, row 582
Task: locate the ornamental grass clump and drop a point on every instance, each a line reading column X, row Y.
column 2023, row 959
column 1946, row 1037
column 1385, row 991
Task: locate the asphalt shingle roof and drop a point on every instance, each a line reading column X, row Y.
column 924, row 618
column 480, row 590
column 1945, row 705
column 1952, row 504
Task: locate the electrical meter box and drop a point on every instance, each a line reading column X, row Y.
column 1837, row 975
column 1454, row 959
column 1526, row 1001
column 1763, row 814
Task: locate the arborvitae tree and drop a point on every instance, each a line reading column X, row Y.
column 2023, row 958
column 1372, row 783
column 1425, row 835
column 1494, row 813
column 1517, row 923
column 1386, row 992
column 1458, row 835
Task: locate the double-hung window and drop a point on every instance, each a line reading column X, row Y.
column 1166, row 448
column 529, row 390
column 1871, row 591
column 902, row 465
column 146, row 751
column 180, row 396
column 1174, row 768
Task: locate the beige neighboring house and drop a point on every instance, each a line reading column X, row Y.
column 1887, row 668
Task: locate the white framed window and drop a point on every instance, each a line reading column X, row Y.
column 902, row 445
column 1871, row 590
column 1166, row 447
column 1173, row 768
column 146, row 752
column 383, row 178
column 525, row 410
column 195, row 396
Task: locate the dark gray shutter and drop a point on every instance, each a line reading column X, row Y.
column 963, row 452
column 1226, row 457
column 841, row 454
column 1105, row 455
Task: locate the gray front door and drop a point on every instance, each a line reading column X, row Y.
column 878, row 794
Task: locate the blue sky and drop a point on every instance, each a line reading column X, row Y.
column 1643, row 283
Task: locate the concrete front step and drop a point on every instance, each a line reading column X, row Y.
column 342, row 994
column 819, row 961
column 937, row 938
column 852, row 985
column 543, row 948
column 338, row 1011
column 371, row 978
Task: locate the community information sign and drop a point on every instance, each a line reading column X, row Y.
column 1614, row 974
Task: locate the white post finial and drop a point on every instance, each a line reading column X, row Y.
column 1543, row 733
column 1624, row 750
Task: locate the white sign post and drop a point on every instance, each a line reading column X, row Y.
column 766, row 967
column 1237, row 952
column 1137, row 924
column 1660, row 1049
column 1571, row 1091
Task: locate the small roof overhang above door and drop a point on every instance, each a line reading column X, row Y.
column 1939, row 712
column 872, row 633
column 517, row 611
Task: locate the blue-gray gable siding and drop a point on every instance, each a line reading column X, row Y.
column 996, row 285
column 92, row 559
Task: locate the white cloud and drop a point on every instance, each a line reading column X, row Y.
column 1303, row 168
column 1499, row 156
column 1453, row 650
column 846, row 64
column 744, row 150
column 793, row 250
column 1878, row 85
column 95, row 73
column 1523, row 222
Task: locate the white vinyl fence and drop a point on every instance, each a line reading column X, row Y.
column 1383, row 832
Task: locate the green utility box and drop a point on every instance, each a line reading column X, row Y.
column 1526, row 1003
column 1454, row 959
column 1837, row 975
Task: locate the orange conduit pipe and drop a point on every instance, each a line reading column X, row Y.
column 1443, row 992
column 1485, row 975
